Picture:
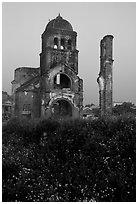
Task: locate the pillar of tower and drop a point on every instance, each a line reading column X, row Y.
column 105, row 76
column 66, row 44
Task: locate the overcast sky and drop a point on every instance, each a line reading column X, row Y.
column 23, row 24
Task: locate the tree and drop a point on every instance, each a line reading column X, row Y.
column 125, row 108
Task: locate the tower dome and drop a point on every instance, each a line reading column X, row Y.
column 59, row 23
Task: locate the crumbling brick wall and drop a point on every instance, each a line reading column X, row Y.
column 105, row 76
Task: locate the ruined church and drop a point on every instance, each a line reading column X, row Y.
column 54, row 90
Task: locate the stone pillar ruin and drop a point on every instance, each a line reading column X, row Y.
column 104, row 80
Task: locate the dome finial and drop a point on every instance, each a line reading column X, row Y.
column 59, row 16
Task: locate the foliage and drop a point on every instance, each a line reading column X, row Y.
column 96, row 112
column 69, row 161
column 125, row 108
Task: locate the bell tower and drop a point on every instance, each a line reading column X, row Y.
column 61, row 88
column 58, row 45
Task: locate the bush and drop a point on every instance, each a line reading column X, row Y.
column 69, row 161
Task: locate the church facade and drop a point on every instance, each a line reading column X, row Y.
column 53, row 90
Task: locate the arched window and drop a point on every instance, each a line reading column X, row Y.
column 62, row 81
column 69, row 44
column 62, row 44
column 55, row 43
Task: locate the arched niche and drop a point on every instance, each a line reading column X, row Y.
column 61, row 81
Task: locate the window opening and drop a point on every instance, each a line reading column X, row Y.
column 69, row 44
column 55, row 43
column 62, row 44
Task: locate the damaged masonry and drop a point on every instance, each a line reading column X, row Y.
column 54, row 90
column 105, row 76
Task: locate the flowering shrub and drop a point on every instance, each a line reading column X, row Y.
column 69, row 161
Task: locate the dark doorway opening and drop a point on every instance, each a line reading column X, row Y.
column 62, row 109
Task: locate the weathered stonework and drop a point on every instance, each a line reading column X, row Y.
column 105, row 76
column 55, row 89
column 62, row 90
column 22, row 75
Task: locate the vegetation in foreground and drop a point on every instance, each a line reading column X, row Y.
column 69, row 161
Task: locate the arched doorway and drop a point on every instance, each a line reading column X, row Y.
column 61, row 109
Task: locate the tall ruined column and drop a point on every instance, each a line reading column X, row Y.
column 105, row 76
